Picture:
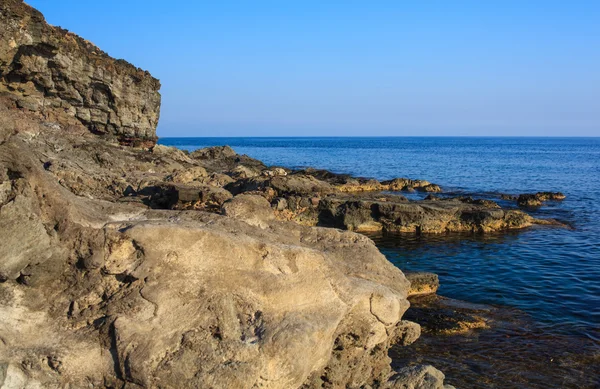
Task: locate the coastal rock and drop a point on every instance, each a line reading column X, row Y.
column 419, row 377
column 398, row 215
column 185, row 299
column 172, row 153
column 217, row 152
column 443, row 316
column 50, row 71
column 407, row 332
column 189, row 196
column 281, row 186
column 188, row 175
column 348, row 184
column 422, row 283
column 405, row 184
column 161, row 297
column 537, row 199
column 223, row 159
column 254, row 210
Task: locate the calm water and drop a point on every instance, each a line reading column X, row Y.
column 551, row 274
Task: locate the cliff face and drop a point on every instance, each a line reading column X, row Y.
column 64, row 78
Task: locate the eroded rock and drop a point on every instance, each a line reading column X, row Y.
column 48, row 70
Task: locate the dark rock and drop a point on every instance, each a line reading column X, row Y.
column 444, row 316
column 535, row 200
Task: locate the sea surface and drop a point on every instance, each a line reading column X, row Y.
column 551, row 275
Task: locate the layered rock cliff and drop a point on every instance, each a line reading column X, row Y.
column 62, row 77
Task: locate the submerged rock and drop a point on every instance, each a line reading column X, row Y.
column 443, row 316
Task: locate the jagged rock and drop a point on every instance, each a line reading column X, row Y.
column 422, row 283
column 281, row 185
column 242, row 171
column 348, row 184
column 405, row 184
column 189, row 299
column 274, row 171
column 51, row 71
column 184, row 298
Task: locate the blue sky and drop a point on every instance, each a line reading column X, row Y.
column 345, row 68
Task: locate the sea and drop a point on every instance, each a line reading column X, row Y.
column 548, row 275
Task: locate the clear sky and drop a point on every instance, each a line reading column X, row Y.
column 345, row 68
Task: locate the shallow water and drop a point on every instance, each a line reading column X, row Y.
column 550, row 274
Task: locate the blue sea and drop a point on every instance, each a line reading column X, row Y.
column 551, row 274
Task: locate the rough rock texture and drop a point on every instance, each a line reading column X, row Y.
column 396, row 214
column 419, row 377
column 64, row 78
column 422, row 283
column 537, row 199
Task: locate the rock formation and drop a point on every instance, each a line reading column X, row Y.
column 64, row 78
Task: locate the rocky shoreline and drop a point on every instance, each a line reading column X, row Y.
column 130, row 264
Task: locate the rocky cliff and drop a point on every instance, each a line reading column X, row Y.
column 52, row 72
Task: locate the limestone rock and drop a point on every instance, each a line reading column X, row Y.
column 148, row 298
column 422, row 283
column 188, row 175
column 419, row 377
column 254, row 210
column 217, row 152
column 51, row 71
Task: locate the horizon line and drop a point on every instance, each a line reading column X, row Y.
column 394, row 136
